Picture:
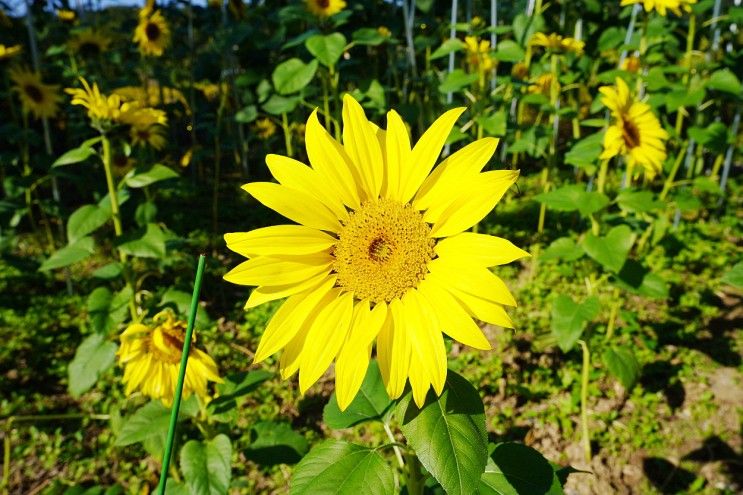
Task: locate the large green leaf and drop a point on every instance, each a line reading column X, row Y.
column 610, row 251
column 638, row 201
column 94, row 356
column 515, row 469
column 368, row 36
column 150, row 422
column 448, row 434
column 77, row 155
column 277, row 104
column 275, row 443
column 293, row 75
column 563, row 248
column 72, row 253
column 623, row 364
column 449, row 46
column 569, row 318
column 585, row 153
column 335, row 467
column 144, row 177
column 509, row 51
column 573, row 198
column 639, row 280
column 327, row 49
column 724, row 80
column 106, row 310
column 370, row 403
column 206, row 465
column 85, row 220
column 148, row 243
column 456, row 80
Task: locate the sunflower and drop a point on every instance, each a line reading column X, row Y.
column 7, row 52
column 631, row 64
column 662, row 6
column 542, row 85
column 154, row 95
column 152, row 34
column 101, row 108
column 380, row 254
column 636, row 132
column 148, row 135
column 556, row 43
column 264, row 128
column 36, row 97
column 89, row 43
column 151, row 357
column 478, row 54
column 325, row 8
column 66, row 15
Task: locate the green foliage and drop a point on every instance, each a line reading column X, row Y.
column 370, row 403
column 611, row 250
column 206, row 465
column 569, row 319
column 94, row 356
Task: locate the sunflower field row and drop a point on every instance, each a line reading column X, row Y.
column 371, row 247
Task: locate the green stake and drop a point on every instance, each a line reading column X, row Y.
column 181, row 376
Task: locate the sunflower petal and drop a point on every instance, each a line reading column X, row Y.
column 362, row 146
column 265, row 270
column 277, row 240
column 398, row 154
column 472, row 279
column 394, row 351
column 294, row 204
column 263, row 294
column 478, row 249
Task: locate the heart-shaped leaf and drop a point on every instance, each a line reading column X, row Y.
column 610, row 251
column 569, row 318
column 206, row 465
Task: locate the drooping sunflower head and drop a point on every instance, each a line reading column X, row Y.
column 380, row 253
column 8, row 52
column 635, row 132
column 325, row 8
column 89, row 43
column 36, row 97
column 152, row 34
column 151, row 355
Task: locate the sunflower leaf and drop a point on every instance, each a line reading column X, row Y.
column 206, row 465
column 610, row 251
column 622, row 364
column 94, row 356
column 327, row 49
column 515, row 469
column 569, row 319
column 293, row 75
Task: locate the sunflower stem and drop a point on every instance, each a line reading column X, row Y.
column 414, row 482
column 586, row 439
column 687, row 77
column 181, row 376
column 674, row 170
column 287, row 135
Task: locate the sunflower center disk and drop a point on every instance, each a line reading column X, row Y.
column 34, row 93
column 166, row 343
column 152, row 31
column 630, row 133
column 383, row 251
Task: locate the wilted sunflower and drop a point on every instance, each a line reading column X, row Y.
column 151, row 357
column 556, row 43
column 380, row 254
column 636, row 132
column 7, row 52
column 148, row 135
column 662, row 6
column 89, row 43
column 325, row 8
column 152, row 34
column 36, row 97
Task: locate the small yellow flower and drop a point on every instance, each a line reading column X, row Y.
column 144, row 135
column 381, row 253
column 325, row 8
column 36, row 97
column 211, row 90
column 265, row 128
column 101, row 108
column 384, row 31
column 7, row 52
column 152, row 34
column 556, row 43
column 151, row 357
column 663, row 6
column 477, row 22
column 631, row 64
column 66, row 15
column 89, row 43
column 635, row 133
column 542, row 85
column 478, row 54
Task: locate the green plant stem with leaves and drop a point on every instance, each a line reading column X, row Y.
column 585, row 435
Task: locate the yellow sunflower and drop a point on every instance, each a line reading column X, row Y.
column 154, row 95
column 325, row 8
column 265, row 128
column 381, row 253
column 151, row 357
column 89, row 43
column 635, row 133
column 631, row 64
column 556, row 43
column 7, row 52
column 478, row 54
column 101, row 108
column 542, row 85
column 148, row 135
column 67, row 15
column 152, row 34
column 36, row 97
column 662, row 6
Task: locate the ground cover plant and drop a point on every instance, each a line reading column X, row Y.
column 459, row 247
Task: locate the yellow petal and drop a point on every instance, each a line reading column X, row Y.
column 263, row 294
column 471, row 206
column 324, row 339
column 481, row 308
column 331, row 162
column 294, row 204
column 426, row 151
column 478, row 249
column 394, row 351
column 452, row 175
column 472, row 279
column 422, row 326
column 296, row 175
column 279, row 240
column 362, row 146
column 455, row 321
column 265, row 270
column 398, row 154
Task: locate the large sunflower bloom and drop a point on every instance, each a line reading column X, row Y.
column 151, row 357
column 152, row 34
column 380, row 253
column 636, row 132
column 662, row 6
column 36, row 97
column 325, row 8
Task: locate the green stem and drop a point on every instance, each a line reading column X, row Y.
column 612, row 316
column 543, row 207
column 181, row 376
column 601, row 181
column 674, row 170
column 287, row 135
column 415, row 482
column 586, row 439
column 689, row 48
